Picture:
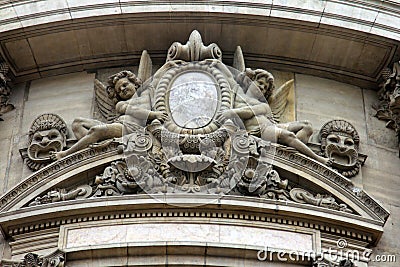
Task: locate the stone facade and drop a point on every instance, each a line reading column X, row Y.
column 114, row 202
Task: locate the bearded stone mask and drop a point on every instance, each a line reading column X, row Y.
column 47, row 134
column 340, row 143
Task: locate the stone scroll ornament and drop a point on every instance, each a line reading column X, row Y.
column 388, row 107
column 340, row 143
column 195, row 126
column 47, row 135
column 5, row 90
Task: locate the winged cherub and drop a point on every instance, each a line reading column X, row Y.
column 129, row 108
column 260, row 116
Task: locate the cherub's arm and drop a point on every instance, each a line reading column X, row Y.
column 245, row 108
column 139, row 108
column 252, row 110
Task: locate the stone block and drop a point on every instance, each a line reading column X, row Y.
column 321, row 100
column 44, row 97
column 4, row 163
column 55, row 48
column 80, row 9
column 76, row 83
column 311, row 10
column 389, row 244
column 21, row 54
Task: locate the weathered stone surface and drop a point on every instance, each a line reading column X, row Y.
column 44, row 95
column 321, row 100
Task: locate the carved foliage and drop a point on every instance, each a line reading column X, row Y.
column 5, row 90
column 388, row 107
column 193, row 50
column 150, row 171
column 56, row 259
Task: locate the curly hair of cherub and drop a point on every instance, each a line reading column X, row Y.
column 112, row 81
column 258, row 74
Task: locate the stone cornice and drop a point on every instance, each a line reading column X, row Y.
column 183, row 207
column 372, row 24
column 337, row 12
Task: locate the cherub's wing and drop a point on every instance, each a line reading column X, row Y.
column 145, row 67
column 279, row 99
column 105, row 104
column 238, row 60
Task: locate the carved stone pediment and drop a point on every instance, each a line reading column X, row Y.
column 197, row 132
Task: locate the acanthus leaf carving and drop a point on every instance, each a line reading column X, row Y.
column 388, row 107
column 5, row 90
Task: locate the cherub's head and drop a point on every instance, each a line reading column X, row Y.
column 263, row 79
column 123, row 85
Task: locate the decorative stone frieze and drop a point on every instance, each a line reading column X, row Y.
column 255, row 179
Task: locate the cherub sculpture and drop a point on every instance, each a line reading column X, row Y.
column 259, row 105
column 124, row 107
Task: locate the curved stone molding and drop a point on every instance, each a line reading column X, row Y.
column 117, row 180
column 375, row 17
column 358, row 200
column 338, row 24
column 56, row 169
column 129, row 212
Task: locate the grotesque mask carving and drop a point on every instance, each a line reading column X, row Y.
column 340, row 143
column 47, row 134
